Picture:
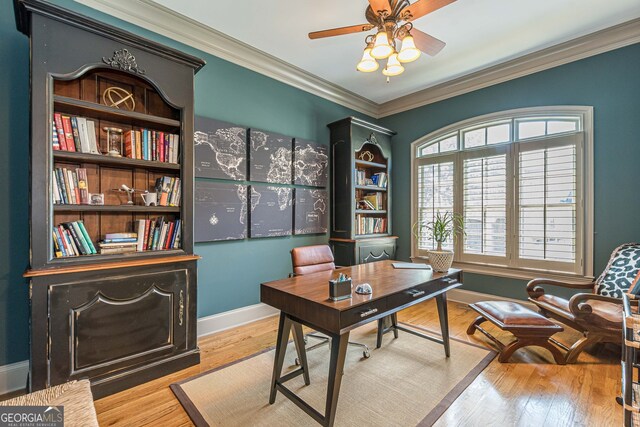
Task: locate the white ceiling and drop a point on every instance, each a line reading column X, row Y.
column 478, row 33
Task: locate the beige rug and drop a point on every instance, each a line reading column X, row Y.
column 407, row 382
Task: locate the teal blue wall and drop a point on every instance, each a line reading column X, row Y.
column 230, row 272
column 609, row 82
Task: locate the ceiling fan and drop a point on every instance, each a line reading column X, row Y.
column 393, row 21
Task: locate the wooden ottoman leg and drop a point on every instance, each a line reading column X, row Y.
column 555, row 352
column 508, row 350
column 472, row 327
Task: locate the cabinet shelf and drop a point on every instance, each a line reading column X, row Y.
column 370, row 164
column 370, row 188
column 80, row 107
column 74, row 156
column 115, row 208
column 371, row 211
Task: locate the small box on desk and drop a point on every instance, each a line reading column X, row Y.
column 339, row 290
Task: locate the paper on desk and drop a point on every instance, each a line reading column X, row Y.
column 411, row 265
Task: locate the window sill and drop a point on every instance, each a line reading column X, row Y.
column 513, row 273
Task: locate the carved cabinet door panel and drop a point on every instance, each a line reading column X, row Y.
column 103, row 325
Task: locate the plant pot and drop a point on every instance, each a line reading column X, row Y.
column 440, row 260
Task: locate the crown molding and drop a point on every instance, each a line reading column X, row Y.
column 611, row 38
column 164, row 21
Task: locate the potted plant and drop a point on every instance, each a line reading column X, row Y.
column 444, row 226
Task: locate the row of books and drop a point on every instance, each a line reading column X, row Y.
column 72, row 239
column 145, row 144
column 158, row 234
column 377, row 179
column 70, row 187
column 373, row 201
column 72, row 133
column 169, row 191
column 370, row 225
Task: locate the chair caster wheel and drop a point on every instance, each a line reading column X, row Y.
column 366, row 354
column 297, row 362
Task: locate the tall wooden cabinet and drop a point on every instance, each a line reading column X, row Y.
column 361, row 192
column 118, row 319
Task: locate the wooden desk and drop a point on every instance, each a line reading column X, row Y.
column 304, row 300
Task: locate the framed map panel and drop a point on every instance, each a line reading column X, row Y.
column 220, row 211
column 311, row 209
column 220, row 149
column 271, row 211
column 270, row 158
column 310, row 163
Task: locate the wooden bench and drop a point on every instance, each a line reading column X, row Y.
column 528, row 327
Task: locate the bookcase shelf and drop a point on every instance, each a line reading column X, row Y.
column 370, row 164
column 370, row 188
column 116, row 208
column 371, row 211
column 85, row 108
column 72, row 156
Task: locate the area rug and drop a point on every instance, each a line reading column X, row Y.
column 407, row 382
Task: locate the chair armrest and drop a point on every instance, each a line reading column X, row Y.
column 535, row 290
column 579, row 306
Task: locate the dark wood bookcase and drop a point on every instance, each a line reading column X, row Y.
column 360, row 232
column 117, row 319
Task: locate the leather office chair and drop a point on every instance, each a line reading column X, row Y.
column 597, row 314
column 312, row 259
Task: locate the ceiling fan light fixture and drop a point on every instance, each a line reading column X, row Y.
column 393, row 67
column 381, row 47
column 409, row 52
column 367, row 64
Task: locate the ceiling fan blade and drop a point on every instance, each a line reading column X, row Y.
column 380, row 7
column 340, row 31
column 426, row 43
column 421, row 8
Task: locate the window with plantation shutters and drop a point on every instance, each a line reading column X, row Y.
column 518, row 179
column 436, row 182
column 485, row 205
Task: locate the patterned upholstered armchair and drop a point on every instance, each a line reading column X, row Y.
column 596, row 312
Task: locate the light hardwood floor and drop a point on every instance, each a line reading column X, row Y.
column 530, row 391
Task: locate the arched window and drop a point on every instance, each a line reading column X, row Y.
column 521, row 179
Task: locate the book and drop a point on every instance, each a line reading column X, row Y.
column 120, row 235
column 93, row 143
column 57, row 119
column 86, row 236
column 83, row 186
column 115, row 251
column 83, row 133
column 58, row 243
column 138, row 145
column 68, row 133
column 55, row 142
column 121, row 240
column 76, row 133
column 147, row 225
column 140, row 239
column 117, row 245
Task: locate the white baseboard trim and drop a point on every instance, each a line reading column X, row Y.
column 233, row 318
column 469, row 297
column 13, row 376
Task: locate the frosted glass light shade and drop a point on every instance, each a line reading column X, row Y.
column 393, row 67
column 409, row 52
column 381, row 47
column 367, row 64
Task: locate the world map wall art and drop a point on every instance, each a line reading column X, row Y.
column 228, row 205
